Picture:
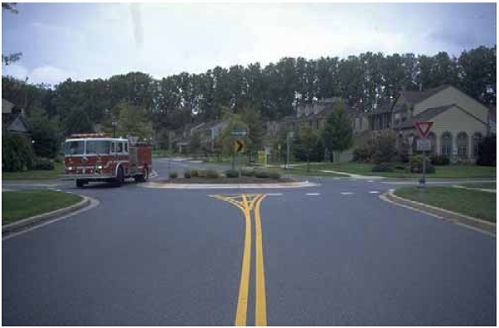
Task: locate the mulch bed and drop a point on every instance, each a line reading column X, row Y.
column 226, row 180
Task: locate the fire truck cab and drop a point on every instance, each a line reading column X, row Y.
column 97, row 157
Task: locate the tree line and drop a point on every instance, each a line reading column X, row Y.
column 273, row 90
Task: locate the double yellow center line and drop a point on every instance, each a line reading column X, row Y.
column 248, row 203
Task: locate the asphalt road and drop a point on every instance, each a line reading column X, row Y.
column 332, row 255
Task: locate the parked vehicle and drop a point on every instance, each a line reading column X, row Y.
column 97, row 157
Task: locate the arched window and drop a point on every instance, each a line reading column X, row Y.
column 477, row 137
column 446, row 144
column 462, row 145
column 433, row 139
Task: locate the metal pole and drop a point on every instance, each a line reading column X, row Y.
column 287, row 152
column 422, row 181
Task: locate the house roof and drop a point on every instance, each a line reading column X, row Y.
column 414, row 97
column 17, row 123
column 7, row 106
column 426, row 115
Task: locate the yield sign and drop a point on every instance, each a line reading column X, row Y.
column 423, row 128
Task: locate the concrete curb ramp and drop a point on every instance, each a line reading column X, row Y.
column 166, row 185
column 443, row 214
column 30, row 222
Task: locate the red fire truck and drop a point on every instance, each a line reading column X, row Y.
column 97, row 157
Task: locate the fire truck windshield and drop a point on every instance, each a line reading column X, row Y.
column 98, row 146
column 74, row 147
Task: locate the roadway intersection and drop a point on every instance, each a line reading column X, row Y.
column 334, row 254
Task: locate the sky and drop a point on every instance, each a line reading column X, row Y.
column 87, row 41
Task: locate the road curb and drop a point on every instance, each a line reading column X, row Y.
column 440, row 213
column 40, row 218
column 201, row 186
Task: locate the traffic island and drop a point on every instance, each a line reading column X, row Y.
column 27, row 208
column 246, row 178
column 475, row 209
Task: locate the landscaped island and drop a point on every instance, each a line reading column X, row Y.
column 245, row 175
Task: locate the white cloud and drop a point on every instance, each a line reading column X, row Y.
column 15, row 70
column 101, row 40
column 49, row 74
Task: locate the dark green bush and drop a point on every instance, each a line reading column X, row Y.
column 212, row 174
column 247, row 172
column 232, row 174
column 274, row 175
column 59, row 159
column 173, row 175
column 487, row 151
column 187, row 174
column 262, row 174
column 382, row 167
column 440, row 160
column 362, row 154
column 194, row 173
column 42, row 164
column 416, row 164
column 17, row 153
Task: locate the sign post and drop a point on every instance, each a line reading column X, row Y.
column 237, row 145
column 423, row 145
column 289, row 137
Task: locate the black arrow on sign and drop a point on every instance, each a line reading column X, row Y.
column 239, row 146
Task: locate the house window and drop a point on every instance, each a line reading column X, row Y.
column 462, row 145
column 446, row 144
column 477, row 137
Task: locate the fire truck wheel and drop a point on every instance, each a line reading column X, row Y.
column 119, row 177
column 80, row 183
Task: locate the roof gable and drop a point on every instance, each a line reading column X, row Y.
column 431, row 113
column 414, row 97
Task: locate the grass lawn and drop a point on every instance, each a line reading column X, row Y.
column 447, row 171
column 35, row 175
column 18, row 205
column 477, row 204
column 481, row 185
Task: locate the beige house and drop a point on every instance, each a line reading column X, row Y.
column 459, row 121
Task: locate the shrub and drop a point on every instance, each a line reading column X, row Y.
column 362, row 154
column 59, row 159
column 212, row 174
column 487, row 151
column 382, row 167
column 274, row 175
column 440, row 160
column 187, row 174
column 384, row 148
column 232, row 174
column 194, row 173
column 17, row 153
column 43, row 164
column 262, row 174
column 247, row 172
column 416, row 165
column 173, row 175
